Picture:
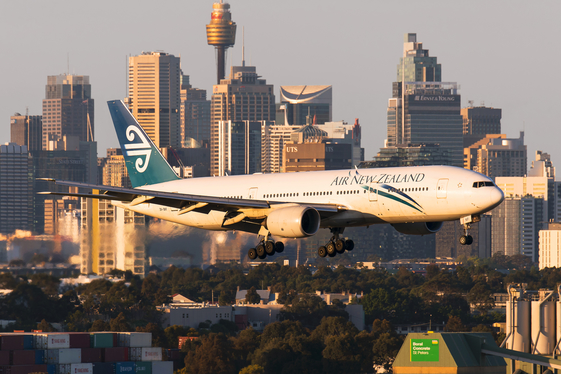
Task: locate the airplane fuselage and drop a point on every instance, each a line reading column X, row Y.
column 369, row 196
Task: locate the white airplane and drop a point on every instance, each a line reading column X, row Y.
column 414, row 200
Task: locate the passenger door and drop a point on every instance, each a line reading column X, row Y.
column 441, row 188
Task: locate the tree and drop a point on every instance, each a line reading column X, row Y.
column 213, row 355
column 44, row 326
column 7, row 281
column 172, row 334
column 158, row 336
column 480, row 295
column 309, row 310
column 252, row 369
column 119, row 324
column 99, row 325
column 455, row 324
column 252, row 297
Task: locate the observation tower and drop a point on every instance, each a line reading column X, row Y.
column 221, row 33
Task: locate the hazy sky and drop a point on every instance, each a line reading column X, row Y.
column 505, row 54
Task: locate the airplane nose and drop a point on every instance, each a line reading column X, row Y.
column 496, row 197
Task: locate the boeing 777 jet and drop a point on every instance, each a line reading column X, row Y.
column 414, row 200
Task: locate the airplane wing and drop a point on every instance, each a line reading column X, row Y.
column 184, row 202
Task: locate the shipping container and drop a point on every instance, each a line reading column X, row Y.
column 28, row 341
column 103, row 340
column 91, row 355
column 103, row 368
column 52, row 341
column 40, row 356
column 146, row 354
column 24, row 369
column 135, row 339
column 124, row 367
column 51, row 368
column 143, row 367
column 22, row 357
column 81, row 368
column 115, row 354
column 162, row 367
column 63, row 368
column 11, row 342
column 79, row 340
column 4, row 357
column 64, row 356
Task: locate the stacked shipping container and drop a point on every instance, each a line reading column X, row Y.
column 81, row 353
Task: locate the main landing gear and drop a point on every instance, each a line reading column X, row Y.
column 335, row 244
column 467, row 239
column 265, row 248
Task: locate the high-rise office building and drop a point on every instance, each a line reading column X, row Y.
column 424, row 110
column 409, row 155
column 343, row 133
column 516, row 224
column 517, row 221
column 480, row 121
column 111, row 238
column 242, row 97
column 16, row 189
column 298, row 102
column 274, row 137
column 154, row 96
column 114, row 170
column 195, row 116
column 27, row 130
column 68, row 108
column 497, row 156
column 550, row 246
column 239, row 147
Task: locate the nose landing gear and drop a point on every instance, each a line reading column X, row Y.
column 467, row 239
column 335, row 244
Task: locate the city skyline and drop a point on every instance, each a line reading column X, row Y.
column 488, row 48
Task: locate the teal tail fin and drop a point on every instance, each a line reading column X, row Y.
column 145, row 164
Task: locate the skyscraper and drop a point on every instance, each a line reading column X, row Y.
column 195, row 116
column 297, row 102
column 242, row 97
column 16, row 189
column 154, row 96
column 68, row 108
column 27, row 130
column 424, row 110
column 496, row 156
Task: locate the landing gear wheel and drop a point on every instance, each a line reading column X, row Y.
column 260, row 249
column 252, row 254
column 469, row 240
column 331, row 251
column 463, row 240
column 322, row 251
column 340, row 245
column 349, row 245
column 269, row 248
column 279, row 247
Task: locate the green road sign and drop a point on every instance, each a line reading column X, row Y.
column 424, row 350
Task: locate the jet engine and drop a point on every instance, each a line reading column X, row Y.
column 418, row 228
column 293, row 222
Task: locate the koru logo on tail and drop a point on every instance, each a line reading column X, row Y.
column 138, row 149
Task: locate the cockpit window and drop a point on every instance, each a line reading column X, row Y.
column 483, row 184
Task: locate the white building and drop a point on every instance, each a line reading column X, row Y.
column 550, row 246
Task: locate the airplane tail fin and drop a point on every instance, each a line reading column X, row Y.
column 145, row 164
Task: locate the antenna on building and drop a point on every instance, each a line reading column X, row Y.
column 67, row 63
column 243, row 46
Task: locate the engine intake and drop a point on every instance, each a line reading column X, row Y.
column 293, row 222
column 418, row 228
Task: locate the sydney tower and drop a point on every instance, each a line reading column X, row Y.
column 221, row 33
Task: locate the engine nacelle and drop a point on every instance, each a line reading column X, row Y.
column 418, row 228
column 293, row 222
